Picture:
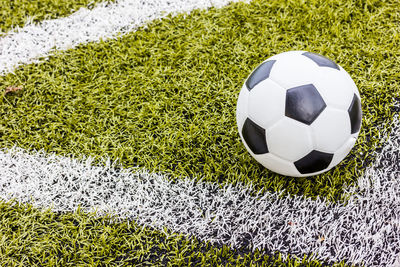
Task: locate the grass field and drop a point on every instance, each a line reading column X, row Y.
column 163, row 98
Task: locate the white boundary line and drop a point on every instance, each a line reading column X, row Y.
column 365, row 230
column 33, row 41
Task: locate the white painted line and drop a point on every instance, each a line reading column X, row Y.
column 366, row 230
column 28, row 44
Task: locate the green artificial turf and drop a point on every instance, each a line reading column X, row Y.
column 164, row 97
column 15, row 13
column 30, row 237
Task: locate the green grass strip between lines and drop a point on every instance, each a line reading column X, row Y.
column 164, row 97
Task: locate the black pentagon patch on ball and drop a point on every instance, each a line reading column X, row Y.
column 254, row 135
column 304, row 103
column 321, row 60
column 355, row 114
column 314, row 161
column 259, row 74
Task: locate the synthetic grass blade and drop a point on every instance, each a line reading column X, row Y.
column 365, row 230
column 105, row 21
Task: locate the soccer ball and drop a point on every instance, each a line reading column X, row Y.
column 299, row 113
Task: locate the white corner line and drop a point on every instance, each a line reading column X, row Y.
column 364, row 231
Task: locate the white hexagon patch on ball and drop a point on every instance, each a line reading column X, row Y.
column 299, row 113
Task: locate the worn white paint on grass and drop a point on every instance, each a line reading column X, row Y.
column 365, row 230
column 106, row 20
